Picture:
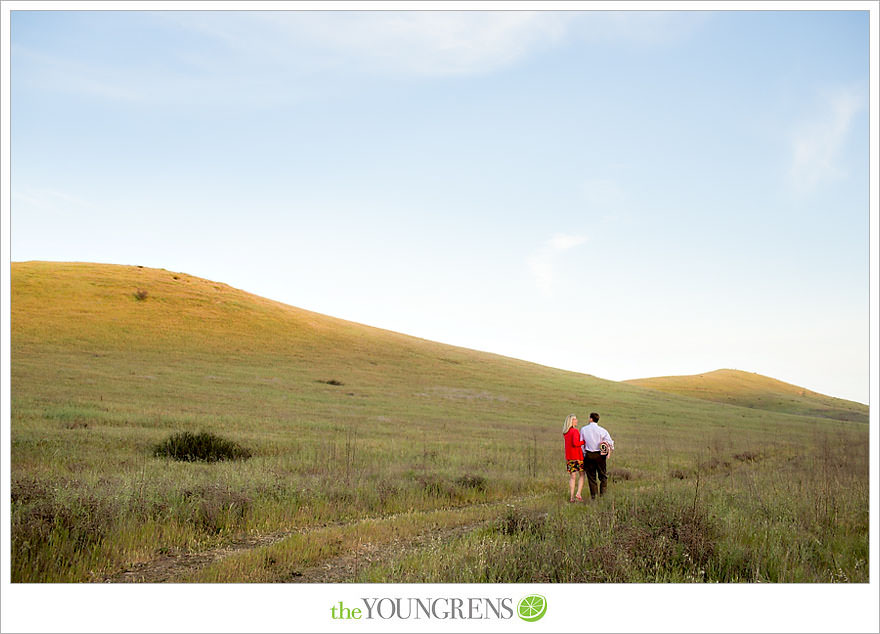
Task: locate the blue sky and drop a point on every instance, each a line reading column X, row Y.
column 624, row 194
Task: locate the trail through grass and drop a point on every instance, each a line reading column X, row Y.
column 188, row 566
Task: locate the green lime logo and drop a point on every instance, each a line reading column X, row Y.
column 532, row 607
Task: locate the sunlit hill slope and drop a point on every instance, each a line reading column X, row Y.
column 133, row 332
column 747, row 389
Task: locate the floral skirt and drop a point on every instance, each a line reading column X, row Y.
column 574, row 466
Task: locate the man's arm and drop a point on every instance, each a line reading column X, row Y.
column 607, row 438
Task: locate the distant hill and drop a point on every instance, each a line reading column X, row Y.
column 748, row 389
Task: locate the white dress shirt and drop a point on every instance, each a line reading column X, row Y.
column 592, row 434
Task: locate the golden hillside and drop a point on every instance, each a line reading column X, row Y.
column 94, row 308
column 747, row 389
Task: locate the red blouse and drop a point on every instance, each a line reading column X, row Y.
column 573, row 444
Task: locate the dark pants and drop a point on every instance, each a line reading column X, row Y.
column 594, row 465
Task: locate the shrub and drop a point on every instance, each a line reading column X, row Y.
column 140, row 294
column 619, row 474
column 433, row 485
column 203, row 446
column 332, row 382
column 713, row 464
column 747, row 456
column 468, row 481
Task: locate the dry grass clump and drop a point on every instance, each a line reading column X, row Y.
column 217, row 507
column 516, row 521
column 43, row 521
column 619, row 474
column 747, row 456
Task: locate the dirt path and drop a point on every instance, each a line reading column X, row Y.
column 344, row 569
column 338, row 569
column 168, row 567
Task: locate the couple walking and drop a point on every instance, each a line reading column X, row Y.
column 585, row 453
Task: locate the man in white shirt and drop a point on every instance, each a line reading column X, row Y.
column 594, row 437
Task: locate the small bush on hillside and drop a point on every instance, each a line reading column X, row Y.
column 713, row 464
column 203, row 447
column 434, row 485
column 332, row 382
column 747, row 456
column 619, row 474
column 140, row 294
column 472, row 482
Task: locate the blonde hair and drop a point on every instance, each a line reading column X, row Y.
column 568, row 424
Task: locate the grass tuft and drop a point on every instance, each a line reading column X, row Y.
column 517, row 521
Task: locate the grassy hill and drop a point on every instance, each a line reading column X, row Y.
column 747, row 389
column 359, row 435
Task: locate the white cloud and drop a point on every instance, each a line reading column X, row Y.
column 70, row 75
column 277, row 57
column 561, row 242
column 280, row 57
column 544, row 262
column 49, row 200
column 818, row 141
column 423, row 42
column 409, row 42
column 649, row 28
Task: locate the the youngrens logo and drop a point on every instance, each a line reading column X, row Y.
column 530, row 608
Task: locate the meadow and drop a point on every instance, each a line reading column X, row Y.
column 378, row 457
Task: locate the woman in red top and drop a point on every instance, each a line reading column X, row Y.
column 574, row 456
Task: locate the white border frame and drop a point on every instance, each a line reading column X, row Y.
column 287, row 608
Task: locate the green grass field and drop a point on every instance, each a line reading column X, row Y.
column 378, row 457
